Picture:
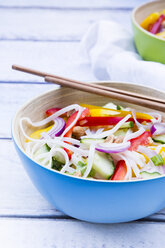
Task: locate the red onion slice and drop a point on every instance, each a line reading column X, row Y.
column 113, row 148
column 153, row 129
column 57, row 128
column 158, row 128
column 76, row 107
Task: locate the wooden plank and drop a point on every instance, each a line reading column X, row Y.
column 10, row 103
column 18, row 197
column 61, row 58
column 71, row 234
column 17, row 194
column 54, row 25
column 72, row 3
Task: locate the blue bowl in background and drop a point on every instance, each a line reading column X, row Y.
column 89, row 200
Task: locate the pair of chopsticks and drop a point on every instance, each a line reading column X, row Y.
column 114, row 93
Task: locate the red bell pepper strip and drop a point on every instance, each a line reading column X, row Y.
column 54, row 110
column 103, row 121
column 120, row 171
column 150, row 27
column 142, row 140
column 69, row 152
column 69, row 122
column 156, row 26
column 84, row 113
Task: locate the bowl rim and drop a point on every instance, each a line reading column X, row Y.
column 138, row 25
column 72, row 176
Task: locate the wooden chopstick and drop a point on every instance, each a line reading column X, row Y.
column 142, row 100
column 110, row 89
column 90, row 89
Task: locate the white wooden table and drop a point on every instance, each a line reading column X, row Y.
column 45, row 35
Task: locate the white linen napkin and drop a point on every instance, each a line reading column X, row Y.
column 111, row 51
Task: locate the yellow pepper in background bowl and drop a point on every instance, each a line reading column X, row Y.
column 154, row 23
column 151, row 19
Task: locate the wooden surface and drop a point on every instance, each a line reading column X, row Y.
column 46, row 35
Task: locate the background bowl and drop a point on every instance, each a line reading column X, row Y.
column 149, row 46
column 84, row 199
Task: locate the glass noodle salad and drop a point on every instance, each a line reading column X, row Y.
column 107, row 143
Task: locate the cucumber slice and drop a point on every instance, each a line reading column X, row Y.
column 128, row 124
column 148, row 175
column 56, row 165
column 103, row 166
column 59, row 157
column 58, row 161
column 81, row 167
column 41, row 150
column 159, row 138
column 121, row 132
column 88, row 141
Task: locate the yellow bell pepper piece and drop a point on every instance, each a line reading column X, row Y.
column 146, row 158
column 37, row 134
column 133, row 173
column 162, row 152
column 104, row 112
column 151, row 19
column 99, row 111
column 153, row 147
column 162, row 34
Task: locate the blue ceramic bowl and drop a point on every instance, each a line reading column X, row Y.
column 85, row 199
